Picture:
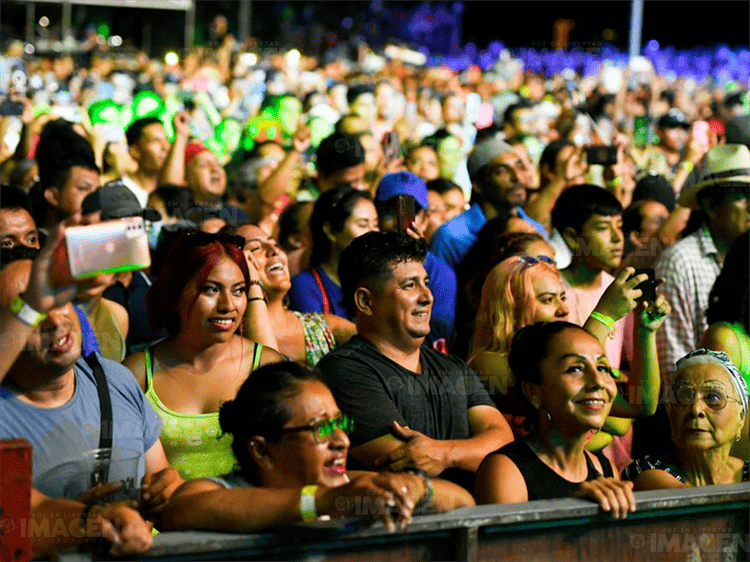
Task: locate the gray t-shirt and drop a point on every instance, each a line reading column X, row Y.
column 60, row 436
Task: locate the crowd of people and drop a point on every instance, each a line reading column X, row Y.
column 430, row 288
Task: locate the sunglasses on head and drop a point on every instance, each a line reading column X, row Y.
column 199, row 238
column 323, row 431
column 531, row 260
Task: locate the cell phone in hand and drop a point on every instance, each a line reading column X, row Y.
column 105, row 247
column 700, row 132
column 405, row 211
column 647, row 287
column 603, row 155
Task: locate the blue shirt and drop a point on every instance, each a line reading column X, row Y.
column 89, row 343
column 453, row 240
column 306, row 296
column 61, row 435
column 443, row 287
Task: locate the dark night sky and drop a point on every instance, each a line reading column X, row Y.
column 683, row 24
column 680, row 23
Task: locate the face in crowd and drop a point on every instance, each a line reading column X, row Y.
column 17, row 228
column 206, row 177
column 151, row 149
column 54, row 346
column 67, row 200
column 272, row 260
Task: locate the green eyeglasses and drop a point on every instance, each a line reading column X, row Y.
column 322, row 431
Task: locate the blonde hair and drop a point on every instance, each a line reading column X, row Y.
column 508, row 302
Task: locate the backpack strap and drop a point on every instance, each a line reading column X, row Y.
column 105, row 405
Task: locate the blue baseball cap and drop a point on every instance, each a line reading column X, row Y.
column 403, row 183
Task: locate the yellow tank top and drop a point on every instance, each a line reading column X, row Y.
column 193, row 443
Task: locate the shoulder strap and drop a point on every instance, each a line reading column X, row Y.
column 105, row 406
column 148, row 361
column 603, row 460
column 257, row 353
column 319, row 282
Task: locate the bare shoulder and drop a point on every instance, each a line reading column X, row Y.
column 491, row 363
column 137, row 364
column 720, row 337
column 267, row 355
column 342, row 329
column 499, row 480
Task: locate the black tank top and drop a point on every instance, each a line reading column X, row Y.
column 542, row 482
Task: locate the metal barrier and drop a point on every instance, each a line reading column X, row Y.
column 707, row 524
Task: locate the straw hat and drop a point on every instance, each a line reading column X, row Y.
column 726, row 166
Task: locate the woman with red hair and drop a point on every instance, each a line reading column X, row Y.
column 199, row 297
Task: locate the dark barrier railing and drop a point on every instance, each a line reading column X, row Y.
column 707, row 524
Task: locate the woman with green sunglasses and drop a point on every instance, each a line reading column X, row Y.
column 291, row 444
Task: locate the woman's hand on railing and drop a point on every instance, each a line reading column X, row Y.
column 612, row 495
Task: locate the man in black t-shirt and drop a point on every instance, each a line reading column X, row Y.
column 411, row 405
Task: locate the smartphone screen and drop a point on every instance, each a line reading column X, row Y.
column 647, row 287
column 405, row 211
column 106, row 247
column 700, row 132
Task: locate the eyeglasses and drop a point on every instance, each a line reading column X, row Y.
column 531, row 260
column 200, row 238
column 322, row 431
column 713, row 397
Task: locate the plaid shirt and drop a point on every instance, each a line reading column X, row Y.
column 690, row 268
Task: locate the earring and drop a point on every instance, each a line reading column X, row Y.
column 549, row 417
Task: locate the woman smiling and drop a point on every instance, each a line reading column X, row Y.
column 567, row 382
column 200, row 297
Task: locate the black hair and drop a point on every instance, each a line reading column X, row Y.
column 339, row 126
column 16, row 177
column 579, row 203
column 355, row 91
column 729, row 299
column 530, row 346
column 734, row 99
column 655, row 187
column 60, row 148
column 333, row 207
column 494, row 244
column 370, row 259
column 338, row 152
column 667, row 96
column 512, row 108
column 135, row 130
column 632, row 219
column 442, row 185
column 14, row 198
column 717, row 194
column 260, row 408
column 289, row 224
column 434, row 140
column 549, row 154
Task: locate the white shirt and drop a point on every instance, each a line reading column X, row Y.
column 140, row 193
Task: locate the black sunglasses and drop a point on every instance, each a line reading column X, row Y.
column 199, row 238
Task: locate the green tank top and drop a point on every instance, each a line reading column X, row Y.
column 193, row 443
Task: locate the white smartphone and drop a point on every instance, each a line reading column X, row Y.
column 105, row 247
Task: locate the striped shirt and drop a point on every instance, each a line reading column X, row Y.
column 690, row 268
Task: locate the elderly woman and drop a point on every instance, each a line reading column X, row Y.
column 568, row 387
column 707, row 411
column 290, row 441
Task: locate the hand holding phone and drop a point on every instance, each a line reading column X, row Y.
column 647, row 287
column 106, row 247
column 603, row 155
